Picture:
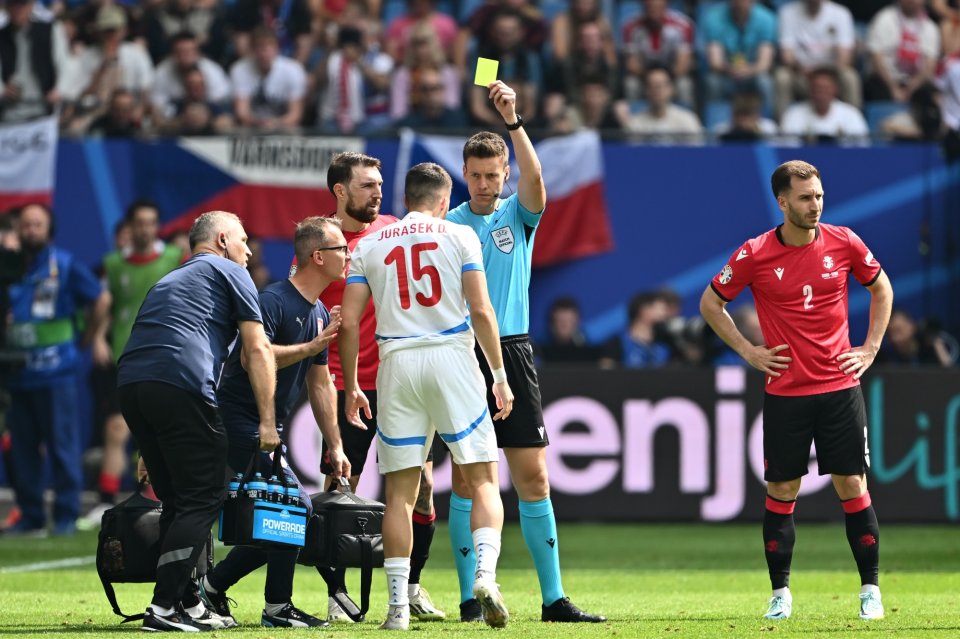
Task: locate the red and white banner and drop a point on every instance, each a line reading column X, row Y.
column 28, row 156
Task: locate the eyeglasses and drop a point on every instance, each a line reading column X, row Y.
column 342, row 249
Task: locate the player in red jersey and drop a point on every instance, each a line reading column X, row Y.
column 798, row 273
column 355, row 180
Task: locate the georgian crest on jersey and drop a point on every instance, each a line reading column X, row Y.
column 726, row 274
column 503, row 238
column 828, row 263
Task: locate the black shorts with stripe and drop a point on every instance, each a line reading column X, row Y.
column 356, row 442
column 524, row 427
column 836, row 422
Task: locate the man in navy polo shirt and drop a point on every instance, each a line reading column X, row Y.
column 167, row 382
column 299, row 328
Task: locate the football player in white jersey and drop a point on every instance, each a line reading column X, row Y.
column 422, row 273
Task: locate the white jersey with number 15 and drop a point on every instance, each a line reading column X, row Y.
column 415, row 273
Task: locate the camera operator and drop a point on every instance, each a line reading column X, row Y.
column 910, row 344
column 43, row 408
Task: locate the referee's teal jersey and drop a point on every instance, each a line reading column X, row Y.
column 506, row 237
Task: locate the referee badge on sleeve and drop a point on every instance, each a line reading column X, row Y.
column 726, row 274
column 503, row 238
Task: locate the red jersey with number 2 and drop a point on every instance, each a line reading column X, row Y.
column 368, row 359
column 801, row 298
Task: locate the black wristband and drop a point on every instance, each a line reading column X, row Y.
column 516, row 125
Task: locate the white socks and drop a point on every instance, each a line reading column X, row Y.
column 486, row 543
column 783, row 592
column 163, row 612
column 208, row 587
column 397, row 570
column 413, row 590
column 865, row 588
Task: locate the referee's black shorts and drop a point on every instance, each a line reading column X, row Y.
column 356, row 442
column 524, row 427
column 836, row 422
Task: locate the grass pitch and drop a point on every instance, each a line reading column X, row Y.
column 651, row 581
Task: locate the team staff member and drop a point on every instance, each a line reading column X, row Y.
column 299, row 329
column 429, row 380
column 506, row 228
column 43, row 408
column 355, row 180
column 129, row 274
column 167, row 378
column 798, row 273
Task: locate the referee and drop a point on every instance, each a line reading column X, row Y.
column 167, row 380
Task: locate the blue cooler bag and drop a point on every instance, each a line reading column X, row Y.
column 260, row 512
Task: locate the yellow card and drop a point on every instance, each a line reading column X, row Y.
column 486, row 71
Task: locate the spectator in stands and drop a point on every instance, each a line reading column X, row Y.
column 172, row 17
column 169, row 83
column 747, row 321
column 567, row 82
column 477, row 32
column 660, row 36
column 423, row 52
column 355, row 86
column 746, row 123
column 290, row 21
column 120, row 119
column 740, row 37
column 33, row 60
column 815, row 33
column 81, row 21
column 102, row 68
column 595, row 108
column 922, row 121
column 949, row 84
column 904, row 46
column 259, row 271
column 429, row 105
column 566, row 343
column 519, row 67
column 637, row 346
column 194, row 113
column 397, row 36
column 823, row 116
column 910, row 345
column 662, row 116
column 948, row 11
column 268, row 88
column 565, row 31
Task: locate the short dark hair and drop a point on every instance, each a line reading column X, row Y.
column 564, row 303
column 182, row 36
column 136, row 205
column 639, row 302
column 311, row 234
column 828, row 71
column 425, row 184
column 780, row 180
column 341, row 167
column 485, row 145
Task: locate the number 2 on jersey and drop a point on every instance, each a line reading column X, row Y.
column 398, row 256
column 808, row 296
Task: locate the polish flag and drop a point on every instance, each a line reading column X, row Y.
column 576, row 222
column 28, row 156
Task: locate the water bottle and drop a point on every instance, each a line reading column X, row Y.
column 234, row 486
column 257, row 487
column 275, row 490
column 292, row 493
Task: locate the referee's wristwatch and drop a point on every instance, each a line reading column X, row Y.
column 516, row 125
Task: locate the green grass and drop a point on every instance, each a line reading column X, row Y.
column 651, row 580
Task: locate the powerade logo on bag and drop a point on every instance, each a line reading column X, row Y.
column 280, row 524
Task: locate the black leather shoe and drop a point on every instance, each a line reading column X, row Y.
column 470, row 611
column 563, row 611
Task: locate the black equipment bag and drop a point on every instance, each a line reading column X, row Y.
column 128, row 547
column 345, row 531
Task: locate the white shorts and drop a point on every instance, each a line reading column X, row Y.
column 431, row 389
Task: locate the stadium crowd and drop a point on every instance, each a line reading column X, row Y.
column 736, row 69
